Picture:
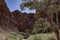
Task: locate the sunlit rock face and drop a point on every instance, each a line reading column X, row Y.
column 15, row 21
column 3, row 7
column 24, row 21
column 4, row 15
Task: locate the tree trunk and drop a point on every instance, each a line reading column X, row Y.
column 57, row 30
column 57, row 24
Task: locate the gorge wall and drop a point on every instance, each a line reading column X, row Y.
column 14, row 21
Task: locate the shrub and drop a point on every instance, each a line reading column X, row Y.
column 9, row 36
column 43, row 36
column 41, row 26
column 51, row 39
column 25, row 35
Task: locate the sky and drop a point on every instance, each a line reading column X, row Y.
column 15, row 5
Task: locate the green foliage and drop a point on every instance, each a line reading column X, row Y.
column 31, row 4
column 42, row 4
column 25, row 35
column 42, row 36
column 41, row 26
column 10, row 36
column 51, row 38
column 19, row 36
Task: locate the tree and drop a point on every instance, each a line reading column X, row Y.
column 42, row 26
column 34, row 4
column 49, row 7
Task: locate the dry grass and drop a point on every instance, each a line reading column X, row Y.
column 9, row 36
column 13, row 36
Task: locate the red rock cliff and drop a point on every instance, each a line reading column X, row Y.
column 15, row 21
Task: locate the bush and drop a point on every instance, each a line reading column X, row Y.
column 9, row 36
column 41, row 26
column 43, row 36
column 25, row 35
column 51, row 38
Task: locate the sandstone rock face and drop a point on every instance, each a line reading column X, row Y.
column 24, row 21
column 3, row 7
column 15, row 21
